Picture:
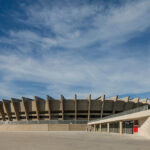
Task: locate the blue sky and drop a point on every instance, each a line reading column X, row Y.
column 65, row 47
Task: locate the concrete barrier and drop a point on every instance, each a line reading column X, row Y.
column 43, row 127
column 58, row 127
column 26, row 127
column 77, row 127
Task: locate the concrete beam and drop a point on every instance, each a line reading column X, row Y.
column 89, row 107
column 2, row 111
column 6, row 105
column 132, row 116
column 114, row 104
column 136, row 101
column 49, row 98
column 37, row 108
column 26, row 102
column 125, row 100
column 15, row 102
column 75, row 104
column 113, row 98
column 148, row 101
column 62, row 105
column 37, row 104
column 98, row 98
column 144, row 100
column 102, row 106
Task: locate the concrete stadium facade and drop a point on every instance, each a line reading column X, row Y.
column 65, row 109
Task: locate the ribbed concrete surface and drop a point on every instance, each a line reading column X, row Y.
column 70, row 141
column 65, row 109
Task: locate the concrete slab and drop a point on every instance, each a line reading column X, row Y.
column 71, row 140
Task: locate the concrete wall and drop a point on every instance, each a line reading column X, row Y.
column 21, row 127
column 58, row 127
column 77, row 127
column 144, row 126
column 43, row 127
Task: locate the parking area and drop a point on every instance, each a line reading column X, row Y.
column 69, row 140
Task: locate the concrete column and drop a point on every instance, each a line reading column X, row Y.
column 62, row 105
column 89, row 107
column 136, row 102
column 100, row 127
column 108, row 127
column 7, row 110
column 94, row 127
column 49, row 106
column 16, row 110
column 120, row 126
column 75, row 104
column 26, row 103
column 102, row 106
column 37, row 107
column 114, row 105
column 126, row 102
column 2, row 111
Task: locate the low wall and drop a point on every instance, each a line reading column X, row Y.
column 43, row 127
column 45, row 122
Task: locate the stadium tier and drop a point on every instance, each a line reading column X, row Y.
column 65, row 109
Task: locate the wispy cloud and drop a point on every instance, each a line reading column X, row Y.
column 76, row 27
column 65, row 49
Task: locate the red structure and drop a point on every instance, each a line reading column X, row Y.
column 135, row 129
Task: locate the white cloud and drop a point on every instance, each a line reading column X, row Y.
column 60, row 74
column 76, row 28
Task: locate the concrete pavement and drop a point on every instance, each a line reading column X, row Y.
column 69, row 140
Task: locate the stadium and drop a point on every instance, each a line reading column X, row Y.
column 65, row 109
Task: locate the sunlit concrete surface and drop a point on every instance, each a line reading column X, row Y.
column 69, row 140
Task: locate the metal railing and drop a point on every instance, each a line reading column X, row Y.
column 138, row 109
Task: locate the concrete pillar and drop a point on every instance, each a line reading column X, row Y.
column 102, row 106
column 120, row 127
column 94, row 127
column 89, row 107
column 62, row 105
column 108, row 127
column 7, row 110
column 49, row 106
column 26, row 103
column 126, row 101
column 114, row 104
column 36, row 102
column 2, row 111
column 75, row 100
column 16, row 109
column 136, row 102
column 100, row 127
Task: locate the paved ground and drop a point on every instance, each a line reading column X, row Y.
column 70, row 141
